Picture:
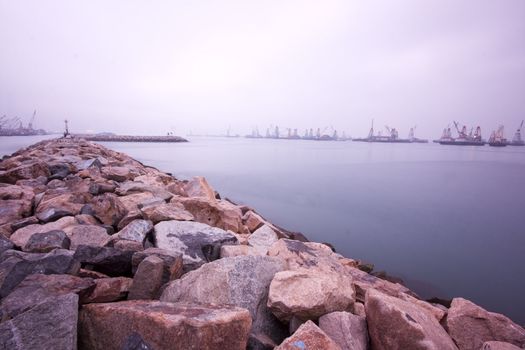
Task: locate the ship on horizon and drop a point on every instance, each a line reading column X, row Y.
column 473, row 138
column 392, row 137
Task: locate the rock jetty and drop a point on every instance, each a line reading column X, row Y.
column 98, row 251
column 131, row 138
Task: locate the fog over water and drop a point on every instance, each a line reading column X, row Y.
column 152, row 67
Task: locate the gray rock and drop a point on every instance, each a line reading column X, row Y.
column 110, row 261
column 15, row 266
column 347, row 330
column 137, row 230
column 92, row 235
column 34, row 289
column 21, row 236
column 198, row 243
column 148, row 279
column 263, row 238
column 49, row 325
column 24, row 222
column 5, row 244
column 53, row 214
column 44, row 242
column 242, row 281
column 309, row 336
column 172, row 262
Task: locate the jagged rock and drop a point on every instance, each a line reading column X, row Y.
column 126, row 245
column 108, row 209
column 308, row 336
column 359, row 309
column 88, row 163
column 498, row 345
column 51, row 324
column 198, row 243
column 110, row 261
column 21, row 236
column 137, row 230
column 92, row 235
column 15, row 266
column 34, row 289
column 129, row 187
column 117, row 173
column 252, row 221
column 31, row 220
column 363, row 282
column 306, row 255
column 228, row 251
column 397, row 324
column 59, row 170
column 5, row 244
column 13, row 209
column 15, row 192
column 56, row 184
column 86, row 219
column 309, row 294
column 172, row 262
column 151, row 202
column 148, row 279
column 241, row 281
column 166, row 212
column 219, row 214
column 109, row 289
column 38, row 185
column 199, row 187
column 347, row 330
column 25, row 171
column 263, row 238
column 438, row 313
column 163, row 325
column 52, row 208
column 470, row 326
column 44, row 242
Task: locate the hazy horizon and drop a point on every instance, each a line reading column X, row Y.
column 153, row 67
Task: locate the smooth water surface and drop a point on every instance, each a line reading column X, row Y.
column 449, row 220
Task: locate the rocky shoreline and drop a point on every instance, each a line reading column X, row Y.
column 98, row 251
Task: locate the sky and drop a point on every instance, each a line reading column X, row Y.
column 151, row 67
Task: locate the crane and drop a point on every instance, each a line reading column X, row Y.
column 30, row 125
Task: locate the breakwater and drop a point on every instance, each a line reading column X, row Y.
column 130, row 138
column 139, row 257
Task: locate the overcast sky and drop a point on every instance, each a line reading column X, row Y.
column 148, row 67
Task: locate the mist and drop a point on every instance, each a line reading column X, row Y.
column 141, row 67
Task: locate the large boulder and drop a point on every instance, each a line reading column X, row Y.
column 198, row 243
column 54, row 207
column 25, row 171
column 137, row 230
column 117, row 173
column 347, row 330
column 44, row 242
column 93, row 235
column 221, row 214
column 309, row 294
column 148, row 279
column 5, row 244
column 166, row 212
column 172, row 265
column 21, row 236
column 163, row 325
column 252, row 220
column 470, row 326
column 15, row 266
column 110, row 261
column 51, row 324
column 108, row 289
column 309, row 336
column 240, row 281
column 108, row 209
column 36, row 288
column 13, row 209
column 199, row 187
column 263, row 238
column 397, row 324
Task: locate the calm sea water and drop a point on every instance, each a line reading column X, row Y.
column 448, row 220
